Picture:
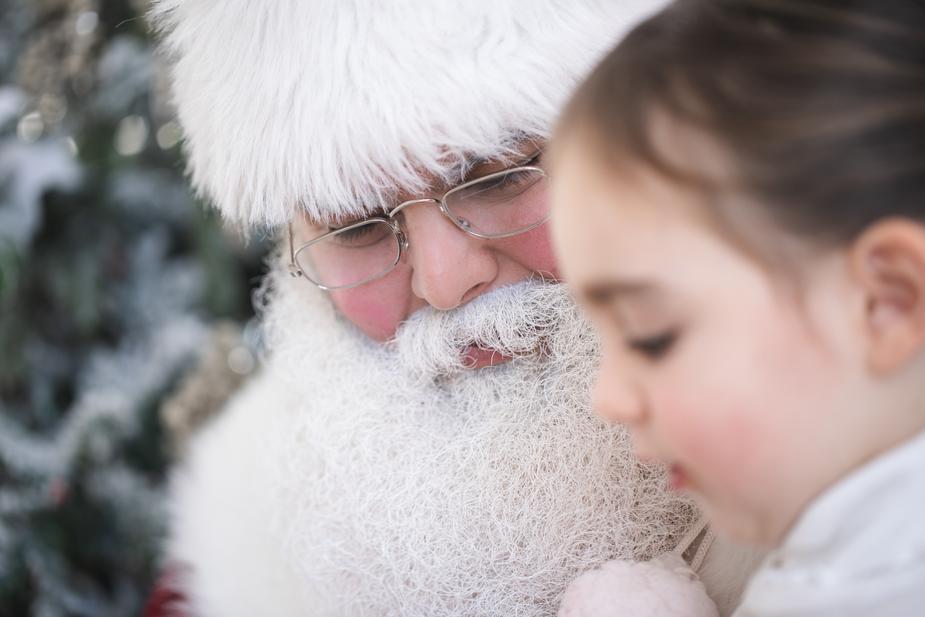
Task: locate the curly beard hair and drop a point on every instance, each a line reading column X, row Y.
column 354, row 478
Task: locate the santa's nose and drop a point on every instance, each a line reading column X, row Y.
column 449, row 267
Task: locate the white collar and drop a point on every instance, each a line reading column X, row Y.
column 866, row 522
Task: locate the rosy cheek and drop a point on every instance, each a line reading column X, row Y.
column 710, row 435
column 533, row 250
column 377, row 307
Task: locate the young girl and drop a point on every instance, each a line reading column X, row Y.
column 739, row 203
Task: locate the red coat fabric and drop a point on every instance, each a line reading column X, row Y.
column 165, row 600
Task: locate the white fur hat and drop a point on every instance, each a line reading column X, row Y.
column 332, row 106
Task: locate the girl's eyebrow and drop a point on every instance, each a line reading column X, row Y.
column 606, row 292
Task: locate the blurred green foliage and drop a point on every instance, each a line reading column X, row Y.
column 110, row 276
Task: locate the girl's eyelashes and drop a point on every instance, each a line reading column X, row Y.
column 653, row 347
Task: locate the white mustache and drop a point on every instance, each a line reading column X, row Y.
column 515, row 321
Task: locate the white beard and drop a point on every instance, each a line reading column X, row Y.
column 390, row 480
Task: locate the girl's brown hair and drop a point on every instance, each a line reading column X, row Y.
column 819, row 104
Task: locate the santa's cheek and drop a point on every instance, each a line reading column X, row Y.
column 533, row 251
column 376, row 316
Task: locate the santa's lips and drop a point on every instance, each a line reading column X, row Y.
column 475, row 357
column 677, row 479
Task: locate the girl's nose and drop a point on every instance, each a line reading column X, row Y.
column 616, row 397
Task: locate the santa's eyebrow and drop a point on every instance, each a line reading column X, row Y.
column 607, row 292
column 472, row 162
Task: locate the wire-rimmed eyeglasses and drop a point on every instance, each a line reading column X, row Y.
column 499, row 205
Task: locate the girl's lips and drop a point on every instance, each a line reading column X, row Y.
column 477, row 357
column 677, row 479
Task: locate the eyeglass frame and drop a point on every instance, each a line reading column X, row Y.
column 403, row 245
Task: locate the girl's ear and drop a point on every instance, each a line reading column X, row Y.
column 888, row 263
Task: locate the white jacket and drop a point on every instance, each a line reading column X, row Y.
column 857, row 551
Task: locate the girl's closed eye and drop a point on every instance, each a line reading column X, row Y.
column 653, row 347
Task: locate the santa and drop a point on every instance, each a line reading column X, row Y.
column 419, row 440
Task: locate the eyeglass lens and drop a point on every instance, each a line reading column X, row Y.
column 501, row 203
column 356, row 254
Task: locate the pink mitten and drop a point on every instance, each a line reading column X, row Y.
column 663, row 587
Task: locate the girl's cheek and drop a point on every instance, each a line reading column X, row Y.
column 714, row 436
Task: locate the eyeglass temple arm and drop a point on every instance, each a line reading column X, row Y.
column 291, row 247
column 294, row 270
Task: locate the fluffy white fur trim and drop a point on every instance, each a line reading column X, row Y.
column 333, row 106
column 225, row 542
